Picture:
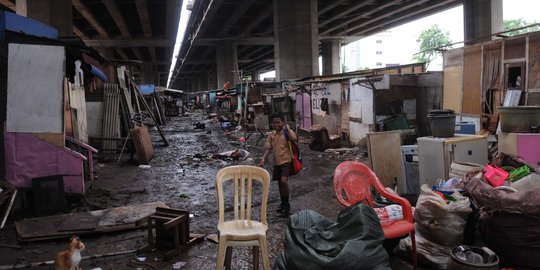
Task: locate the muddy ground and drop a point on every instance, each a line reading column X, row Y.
column 182, row 176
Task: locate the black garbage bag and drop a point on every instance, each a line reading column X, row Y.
column 313, row 241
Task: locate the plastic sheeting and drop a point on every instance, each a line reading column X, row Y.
column 313, row 241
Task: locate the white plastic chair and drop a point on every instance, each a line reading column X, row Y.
column 242, row 231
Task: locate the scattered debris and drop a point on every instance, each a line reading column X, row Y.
column 342, row 151
column 94, row 222
column 239, row 154
column 213, row 238
column 178, row 265
column 199, row 125
column 145, row 167
column 141, row 259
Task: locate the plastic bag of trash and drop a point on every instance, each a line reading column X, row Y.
column 439, row 220
column 429, row 253
column 314, row 242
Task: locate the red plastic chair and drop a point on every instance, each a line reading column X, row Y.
column 352, row 183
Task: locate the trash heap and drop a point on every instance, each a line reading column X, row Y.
column 500, row 202
column 439, row 223
column 506, row 195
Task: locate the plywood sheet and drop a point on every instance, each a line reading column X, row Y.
column 385, row 156
column 143, row 144
column 94, row 222
column 34, row 88
column 472, row 94
column 453, row 85
column 453, row 58
column 78, row 106
column 514, row 48
column 534, row 62
column 57, row 139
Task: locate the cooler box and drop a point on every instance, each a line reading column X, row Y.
column 465, row 128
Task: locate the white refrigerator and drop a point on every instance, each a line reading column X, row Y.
column 437, row 154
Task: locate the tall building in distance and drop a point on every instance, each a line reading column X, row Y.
column 377, row 51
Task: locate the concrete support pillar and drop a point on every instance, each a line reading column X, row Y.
column 330, row 56
column 203, row 81
column 481, row 19
column 227, row 63
column 212, row 78
column 194, row 82
column 255, row 75
column 55, row 13
column 296, row 39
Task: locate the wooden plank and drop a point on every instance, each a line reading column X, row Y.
column 68, row 125
column 453, row 88
column 514, row 48
column 57, row 139
column 109, row 220
column 534, row 62
column 472, row 94
column 453, row 58
column 8, row 209
column 385, row 155
column 143, row 144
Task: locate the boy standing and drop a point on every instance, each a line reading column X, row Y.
column 278, row 145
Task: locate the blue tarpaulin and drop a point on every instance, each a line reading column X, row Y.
column 147, row 88
column 10, row 21
column 98, row 73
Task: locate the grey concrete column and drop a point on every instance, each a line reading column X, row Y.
column 194, row 82
column 227, row 63
column 212, row 79
column 255, row 75
column 55, row 13
column 203, row 81
column 296, row 39
column 481, row 19
column 330, row 56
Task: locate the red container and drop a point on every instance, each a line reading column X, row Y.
column 494, row 175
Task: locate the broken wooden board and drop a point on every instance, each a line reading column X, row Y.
column 94, row 222
column 143, row 144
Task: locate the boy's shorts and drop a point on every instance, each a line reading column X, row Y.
column 281, row 170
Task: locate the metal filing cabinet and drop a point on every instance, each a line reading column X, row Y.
column 409, row 164
column 437, row 154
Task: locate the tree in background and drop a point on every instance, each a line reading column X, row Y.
column 518, row 23
column 431, row 42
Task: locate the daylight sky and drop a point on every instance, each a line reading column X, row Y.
column 450, row 20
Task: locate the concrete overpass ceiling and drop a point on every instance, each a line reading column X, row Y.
column 141, row 30
column 249, row 23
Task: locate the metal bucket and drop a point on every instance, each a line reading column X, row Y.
column 489, row 259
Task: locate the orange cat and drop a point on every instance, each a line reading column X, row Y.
column 69, row 259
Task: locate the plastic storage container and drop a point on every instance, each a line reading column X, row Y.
column 519, row 119
column 494, row 175
column 442, row 123
column 469, row 258
column 396, row 122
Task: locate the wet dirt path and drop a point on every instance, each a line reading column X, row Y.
column 182, row 176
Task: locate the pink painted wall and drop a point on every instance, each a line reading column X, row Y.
column 29, row 157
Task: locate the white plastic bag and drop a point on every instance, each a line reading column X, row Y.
column 429, row 253
column 441, row 221
column 389, row 214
